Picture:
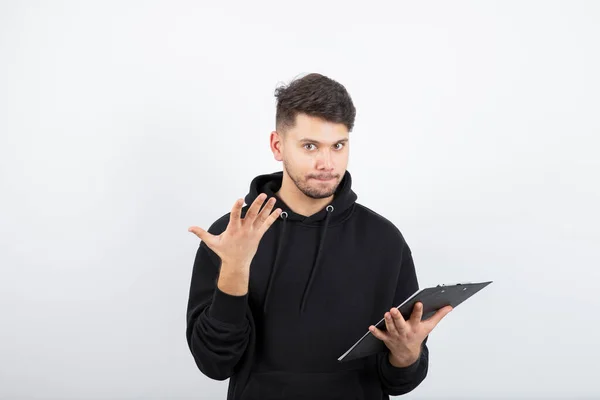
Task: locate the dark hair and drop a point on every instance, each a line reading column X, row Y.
column 315, row 95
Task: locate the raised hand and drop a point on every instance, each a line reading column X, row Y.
column 404, row 337
column 239, row 242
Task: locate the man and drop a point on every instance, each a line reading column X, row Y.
column 283, row 286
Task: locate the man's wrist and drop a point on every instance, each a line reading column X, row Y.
column 403, row 362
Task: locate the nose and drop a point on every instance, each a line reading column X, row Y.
column 325, row 161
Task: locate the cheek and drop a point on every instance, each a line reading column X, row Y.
column 300, row 163
column 342, row 158
column 304, row 160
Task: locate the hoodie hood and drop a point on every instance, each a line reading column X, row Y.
column 342, row 202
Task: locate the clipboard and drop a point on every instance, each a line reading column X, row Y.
column 433, row 299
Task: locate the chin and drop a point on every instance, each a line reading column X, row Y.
column 322, row 189
column 318, row 195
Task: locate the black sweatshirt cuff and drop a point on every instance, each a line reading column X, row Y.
column 393, row 372
column 228, row 308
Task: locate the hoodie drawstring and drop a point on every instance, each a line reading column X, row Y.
column 316, row 263
column 317, row 259
column 283, row 216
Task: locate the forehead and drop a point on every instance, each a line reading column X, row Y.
column 317, row 129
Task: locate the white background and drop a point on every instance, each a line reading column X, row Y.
column 123, row 123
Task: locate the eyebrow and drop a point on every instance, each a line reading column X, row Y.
column 316, row 141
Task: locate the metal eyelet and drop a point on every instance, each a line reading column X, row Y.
column 284, row 214
column 329, row 208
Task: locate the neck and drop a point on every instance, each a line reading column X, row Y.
column 298, row 201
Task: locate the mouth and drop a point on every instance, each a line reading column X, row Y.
column 323, row 178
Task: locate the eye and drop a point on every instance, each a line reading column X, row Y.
column 339, row 145
column 308, row 144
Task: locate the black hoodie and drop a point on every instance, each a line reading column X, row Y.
column 316, row 284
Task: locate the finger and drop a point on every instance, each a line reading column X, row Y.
column 401, row 324
column 254, row 208
column 417, row 313
column 236, row 213
column 265, row 212
column 270, row 220
column 378, row 333
column 202, row 234
column 437, row 317
column 390, row 324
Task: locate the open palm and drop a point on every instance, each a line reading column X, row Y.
column 239, row 242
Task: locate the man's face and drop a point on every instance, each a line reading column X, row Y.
column 314, row 154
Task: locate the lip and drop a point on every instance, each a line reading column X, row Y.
column 323, row 180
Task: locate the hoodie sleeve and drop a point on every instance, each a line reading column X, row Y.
column 397, row 381
column 218, row 329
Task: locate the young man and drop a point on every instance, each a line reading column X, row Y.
column 283, row 286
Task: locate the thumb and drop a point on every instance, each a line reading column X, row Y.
column 201, row 233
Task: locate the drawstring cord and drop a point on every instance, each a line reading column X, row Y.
column 282, row 238
column 317, row 259
column 283, row 216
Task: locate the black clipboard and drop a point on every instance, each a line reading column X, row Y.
column 433, row 298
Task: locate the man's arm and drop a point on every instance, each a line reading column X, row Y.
column 218, row 327
column 219, row 321
column 397, row 380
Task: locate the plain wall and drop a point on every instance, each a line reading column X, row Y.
column 123, row 123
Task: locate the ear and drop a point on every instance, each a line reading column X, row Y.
column 276, row 145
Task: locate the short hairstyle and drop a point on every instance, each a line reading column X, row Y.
column 315, row 95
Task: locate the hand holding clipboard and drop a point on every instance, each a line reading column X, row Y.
column 433, row 299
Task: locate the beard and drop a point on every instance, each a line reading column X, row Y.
column 316, row 190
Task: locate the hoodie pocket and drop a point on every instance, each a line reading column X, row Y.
column 342, row 385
